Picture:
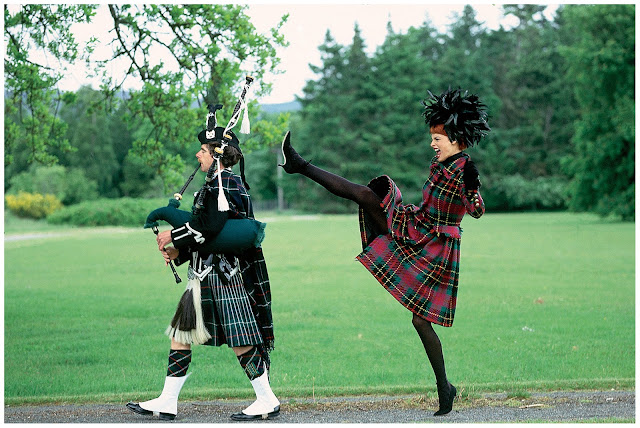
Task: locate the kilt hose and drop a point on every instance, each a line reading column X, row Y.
column 418, row 260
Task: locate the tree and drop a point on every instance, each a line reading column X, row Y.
column 531, row 112
column 405, row 67
column 600, row 54
column 31, row 124
column 89, row 133
column 181, row 54
column 538, row 102
column 328, row 134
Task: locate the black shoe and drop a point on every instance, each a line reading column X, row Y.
column 293, row 162
column 135, row 407
column 244, row 417
column 445, row 398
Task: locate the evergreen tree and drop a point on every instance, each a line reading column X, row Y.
column 89, row 133
column 332, row 110
column 601, row 62
column 405, row 67
column 532, row 120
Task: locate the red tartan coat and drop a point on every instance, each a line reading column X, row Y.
column 417, row 261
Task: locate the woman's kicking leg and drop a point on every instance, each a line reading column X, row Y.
column 339, row 186
column 433, row 347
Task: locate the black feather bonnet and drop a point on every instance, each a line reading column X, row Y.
column 463, row 116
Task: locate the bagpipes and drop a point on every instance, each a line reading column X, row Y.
column 237, row 235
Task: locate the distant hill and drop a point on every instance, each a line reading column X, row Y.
column 267, row 108
column 281, row 107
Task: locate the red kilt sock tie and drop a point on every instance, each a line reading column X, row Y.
column 178, row 362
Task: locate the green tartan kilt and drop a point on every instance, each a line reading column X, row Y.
column 227, row 312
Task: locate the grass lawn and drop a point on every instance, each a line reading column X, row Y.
column 546, row 301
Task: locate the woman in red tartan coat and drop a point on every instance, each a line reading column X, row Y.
column 414, row 251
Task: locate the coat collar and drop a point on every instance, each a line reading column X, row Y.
column 452, row 164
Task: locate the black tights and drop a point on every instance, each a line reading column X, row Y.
column 433, row 347
column 361, row 195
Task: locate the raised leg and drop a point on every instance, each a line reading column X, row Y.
column 339, row 186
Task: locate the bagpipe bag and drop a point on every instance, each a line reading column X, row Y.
column 236, row 236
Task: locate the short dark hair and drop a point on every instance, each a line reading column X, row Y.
column 231, row 155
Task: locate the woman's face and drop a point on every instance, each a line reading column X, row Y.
column 444, row 147
column 205, row 158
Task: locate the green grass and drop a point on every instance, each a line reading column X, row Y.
column 546, row 301
column 15, row 225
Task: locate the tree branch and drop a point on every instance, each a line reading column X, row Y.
column 116, row 21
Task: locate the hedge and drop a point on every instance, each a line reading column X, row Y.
column 109, row 212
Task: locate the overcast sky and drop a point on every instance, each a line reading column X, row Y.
column 307, row 24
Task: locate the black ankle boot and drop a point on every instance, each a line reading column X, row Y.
column 293, row 162
column 446, row 394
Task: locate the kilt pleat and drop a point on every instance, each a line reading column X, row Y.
column 227, row 312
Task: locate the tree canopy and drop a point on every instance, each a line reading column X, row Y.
column 183, row 56
column 560, row 95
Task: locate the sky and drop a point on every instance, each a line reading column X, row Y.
column 308, row 23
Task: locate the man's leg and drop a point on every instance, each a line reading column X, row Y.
column 166, row 405
column 255, row 367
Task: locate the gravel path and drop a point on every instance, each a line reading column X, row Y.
column 539, row 407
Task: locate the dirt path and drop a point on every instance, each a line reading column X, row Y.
column 540, row 407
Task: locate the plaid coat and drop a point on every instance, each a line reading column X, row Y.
column 417, row 261
column 253, row 267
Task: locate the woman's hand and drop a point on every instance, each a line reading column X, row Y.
column 163, row 239
column 470, row 176
column 169, row 254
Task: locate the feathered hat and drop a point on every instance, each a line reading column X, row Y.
column 461, row 116
column 226, row 137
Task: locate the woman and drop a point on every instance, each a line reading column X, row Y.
column 234, row 289
column 413, row 251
